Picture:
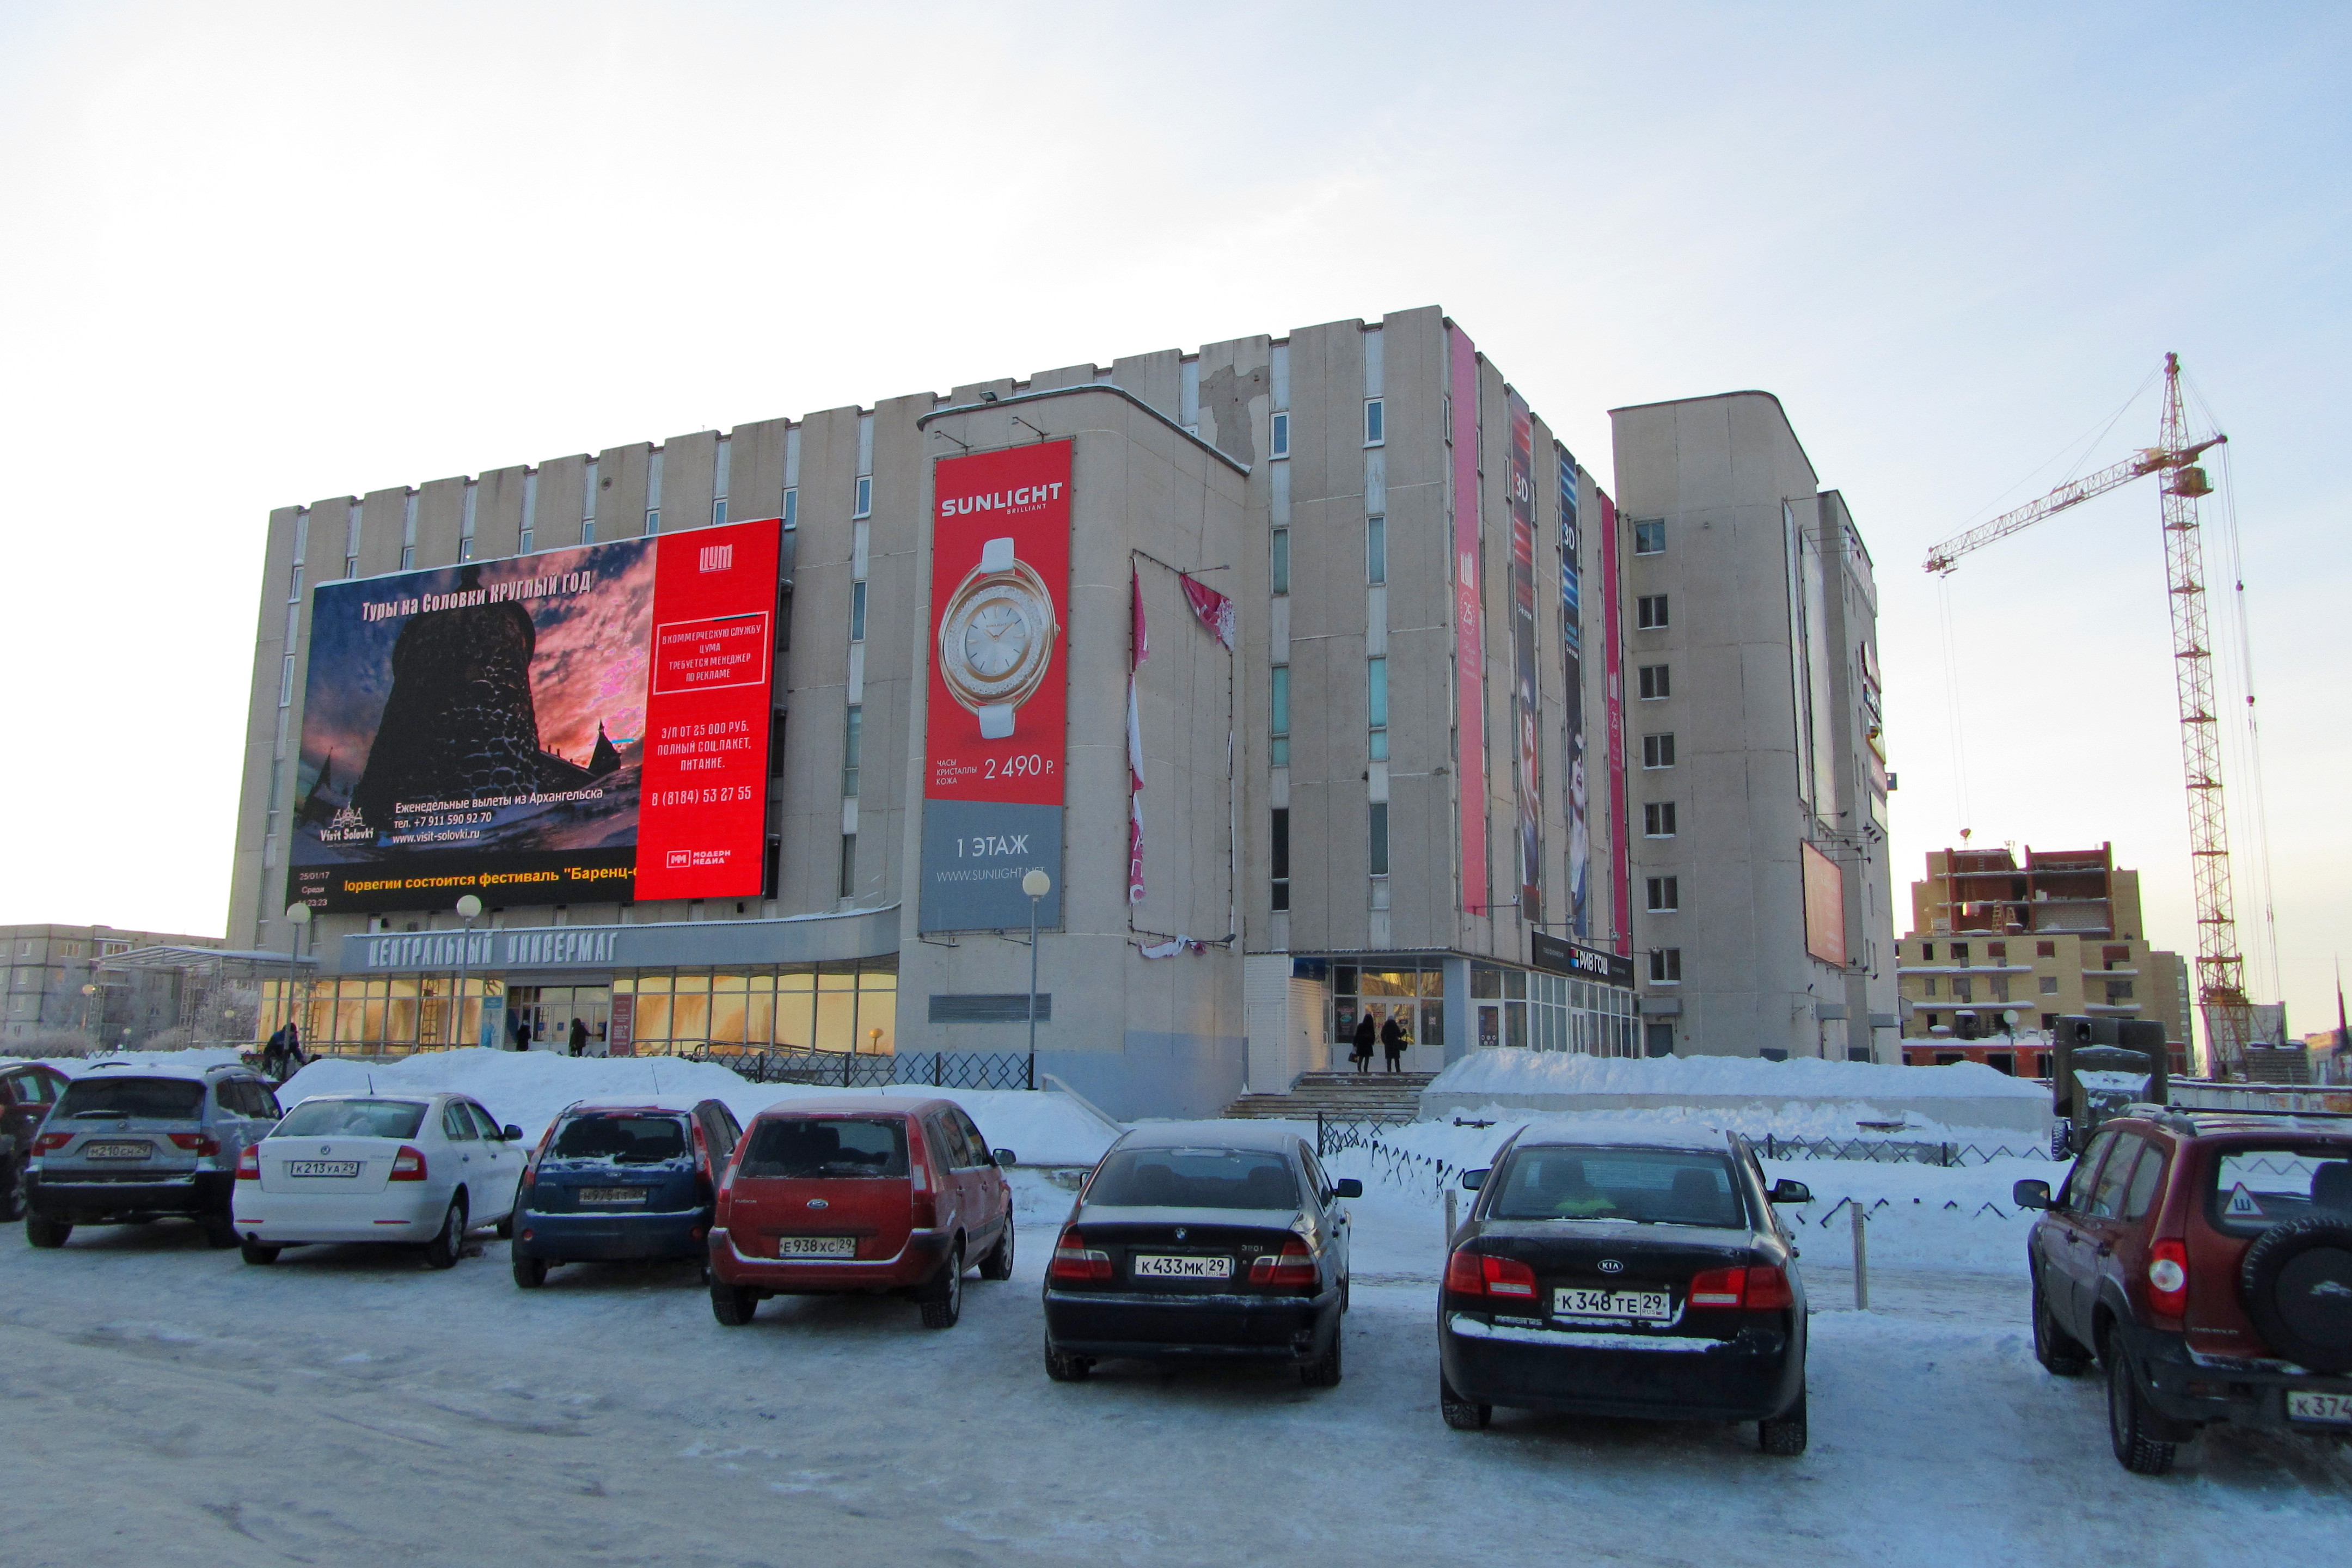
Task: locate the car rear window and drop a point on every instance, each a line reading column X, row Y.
column 2254, row 1189
column 150, row 1098
column 1649, row 1186
column 1194, row 1179
column 624, row 1140
column 809, row 1147
column 352, row 1119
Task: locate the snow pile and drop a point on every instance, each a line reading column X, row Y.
column 529, row 1088
column 74, row 1067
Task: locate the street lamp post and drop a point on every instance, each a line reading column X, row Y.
column 298, row 916
column 90, row 991
column 469, row 909
column 1036, row 884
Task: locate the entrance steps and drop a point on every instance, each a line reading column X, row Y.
column 1387, row 1096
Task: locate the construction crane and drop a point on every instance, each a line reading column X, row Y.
column 2220, row 968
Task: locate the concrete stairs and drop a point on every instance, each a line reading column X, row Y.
column 1388, row 1096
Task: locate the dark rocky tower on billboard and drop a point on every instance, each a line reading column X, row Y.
column 459, row 722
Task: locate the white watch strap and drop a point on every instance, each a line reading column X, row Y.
column 996, row 555
column 996, row 721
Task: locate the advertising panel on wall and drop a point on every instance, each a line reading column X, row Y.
column 577, row 725
column 1824, row 907
column 1527, row 705
column 1572, row 641
column 995, row 734
column 1469, row 625
column 1621, row 880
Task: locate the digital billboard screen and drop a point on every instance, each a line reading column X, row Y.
column 583, row 725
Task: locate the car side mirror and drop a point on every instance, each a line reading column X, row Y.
column 512, row 1133
column 1474, row 1179
column 1004, row 1157
column 2031, row 1193
column 1347, row 1187
column 1785, row 1190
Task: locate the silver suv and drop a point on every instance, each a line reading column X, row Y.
column 131, row 1141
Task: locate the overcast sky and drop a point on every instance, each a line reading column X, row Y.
column 256, row 254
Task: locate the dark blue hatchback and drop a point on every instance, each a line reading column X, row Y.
column 621, row 1182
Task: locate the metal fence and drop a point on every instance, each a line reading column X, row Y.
column 1333, row 1133
column 940, row 1069
column 1886, row 1152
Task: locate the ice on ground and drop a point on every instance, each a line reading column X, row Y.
column 528, row 1088
column 1563, row 1072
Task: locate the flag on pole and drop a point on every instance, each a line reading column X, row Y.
column 1215, row 611
column 1138, row 650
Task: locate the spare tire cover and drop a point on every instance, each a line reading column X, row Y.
column 2296, row 1282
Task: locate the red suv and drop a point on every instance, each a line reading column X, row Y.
column 2205, row 1258
column 882, row 1196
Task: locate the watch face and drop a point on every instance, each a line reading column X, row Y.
column 996, row 637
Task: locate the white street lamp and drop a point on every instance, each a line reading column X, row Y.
column 469, row 909
column 1036, row 884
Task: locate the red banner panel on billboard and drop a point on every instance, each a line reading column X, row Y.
column 701, row 825
column 996, row 732
column 1824, row 907
column 1469, row 627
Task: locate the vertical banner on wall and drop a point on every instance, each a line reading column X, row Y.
column 1613, row 664
column 1527, row 705
column 1469, row 625
column 702, row 818
column 995, row 736
column 1571, row 639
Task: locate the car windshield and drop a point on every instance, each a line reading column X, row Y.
column 1194, row 1179
column 621, row 1139
column 1649, row 1186
column 149, row 1099
column 352, row 1119
column 2254, row 1189
column 809, row 1147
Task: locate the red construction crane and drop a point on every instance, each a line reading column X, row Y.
column 2221, row 969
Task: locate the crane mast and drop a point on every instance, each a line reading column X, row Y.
column 2220, row 967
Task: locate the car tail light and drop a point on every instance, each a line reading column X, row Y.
column 2167, row 1278
column 196, row 1142
column 1075, row 1260
column 248, row 1163
column 1471, row 1273
column 408, row 1165
column 1720, row 1288
column 1294, row 1265
column 1767, row 1290
column 48, row 1142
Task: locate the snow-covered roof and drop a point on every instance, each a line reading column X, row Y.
column 163, row 1067
column 1232, row 1133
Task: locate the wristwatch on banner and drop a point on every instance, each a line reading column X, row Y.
column 997, row 638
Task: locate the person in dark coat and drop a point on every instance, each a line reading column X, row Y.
column 523, row 1034
column 579, row 1036
column 1365, row 1034
column 1393, row 1042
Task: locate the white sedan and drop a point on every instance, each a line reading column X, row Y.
column 423, row 1169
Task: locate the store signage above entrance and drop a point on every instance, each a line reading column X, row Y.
column 854, row 934
column 1574, row 958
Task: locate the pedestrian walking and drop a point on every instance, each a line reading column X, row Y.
column 1393, row 1041
column 1365, row 1034
column 523, row 1034
column 273, row 1056
column 579, row 1036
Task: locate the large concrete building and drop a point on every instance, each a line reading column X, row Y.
column 1398, row 793
column 1755, row 759
column 56, row 985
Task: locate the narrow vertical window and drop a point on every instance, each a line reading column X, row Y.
column 1278, row 718
column 848, row 864
column 1665, row 966
column 776, row 744
column 1665, row 894
column 653, row 520
column 654, row 493
column 286, row 683
column 530, row 512
column 718, row 511
column 1280, row 564
column 1282, row 858
column 1379, row 839
column 1375, row 550
column 857, row 612
column 864, row 496
column 407, row 556
column 1282, row 436
column 588, row 504
column 852, row 747
column 721, row 463
column 294, row 594
column 1376, row 705
column 792, row 508
column 1375, row 422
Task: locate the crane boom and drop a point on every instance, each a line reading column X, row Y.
column 2221, row 969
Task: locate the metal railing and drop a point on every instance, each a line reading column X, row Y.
column 1333, row 1133
column 1887, row 1151
column 845, row 1069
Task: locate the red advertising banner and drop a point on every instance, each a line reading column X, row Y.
column 1469, row 626
column 701, row 824
column 1526, row 699
column 996, row 733
column 1613, row 664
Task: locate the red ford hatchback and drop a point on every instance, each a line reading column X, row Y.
column 880, row 1195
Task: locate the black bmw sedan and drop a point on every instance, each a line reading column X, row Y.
column 1202, row 1241
column 1626, row 1278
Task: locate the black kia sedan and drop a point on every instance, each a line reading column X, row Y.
column 1202, row 1241
column 1646, row 1279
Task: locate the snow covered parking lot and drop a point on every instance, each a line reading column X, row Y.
column 165, row 1404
